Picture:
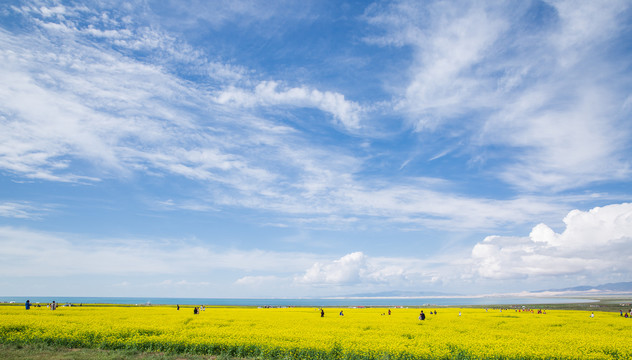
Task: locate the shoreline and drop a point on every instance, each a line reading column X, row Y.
column 611, row 302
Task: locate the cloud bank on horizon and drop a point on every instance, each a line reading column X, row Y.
column 305, row 148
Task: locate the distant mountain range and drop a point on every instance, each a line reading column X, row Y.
column 620, row 287
column 611, row 287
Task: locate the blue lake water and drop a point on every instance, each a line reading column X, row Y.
column 317, row 302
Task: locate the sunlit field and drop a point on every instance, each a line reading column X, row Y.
column 301, row 333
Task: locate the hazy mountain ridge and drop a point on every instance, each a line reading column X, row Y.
column 610, row 287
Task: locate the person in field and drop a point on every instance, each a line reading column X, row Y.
column 27, row 304
column 322, row 313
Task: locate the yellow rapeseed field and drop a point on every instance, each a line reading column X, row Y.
column 301, row 333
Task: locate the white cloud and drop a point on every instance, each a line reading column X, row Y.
column 190, row 14
column 25, row 252
column 436, row 209
column 259, row 280
column 357, row 269
column 99, row 108
column 21, row 210
column 227, row 72
column 564, row 148
column 267, row 93
column 547, row 95
column 585, row 24
column 161, row 263
column 49, row 11
column 182, row 283
column 110, row 34
column 449, row 43
column 75, row 112
column 104, row 109
column 594, row 242
column 71, row 103
column 346, row 270
column 114, row 114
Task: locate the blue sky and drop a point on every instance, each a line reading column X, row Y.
column 313, row 148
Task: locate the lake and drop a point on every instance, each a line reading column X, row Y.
column 309, row 302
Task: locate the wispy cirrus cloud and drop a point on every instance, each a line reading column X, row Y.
column 69, row 103
column 22, row 210
column 240, row 13
column 447, row 42
column 80, row 107
column 571, row 118
column 547, row 91
column 274, row 126
column 83, row 113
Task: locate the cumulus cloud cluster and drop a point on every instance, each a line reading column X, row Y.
column 358, row 268
column 349, row 269
column 594, row 241
column 596, row 245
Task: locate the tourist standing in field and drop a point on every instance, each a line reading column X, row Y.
column 27, row 304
